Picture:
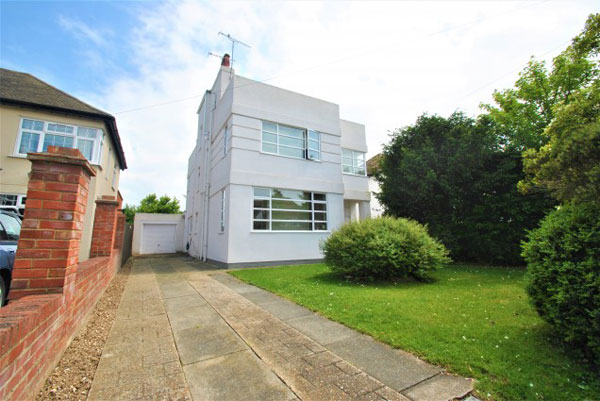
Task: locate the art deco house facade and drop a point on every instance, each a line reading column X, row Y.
column 273, row 172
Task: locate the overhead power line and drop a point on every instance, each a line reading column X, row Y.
column 338, row 60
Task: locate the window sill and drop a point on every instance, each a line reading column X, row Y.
column 355, row 175
column 17, row 156
column 290, row 157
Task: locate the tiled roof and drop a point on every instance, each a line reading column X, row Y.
column 373, row 164
column 26, row 90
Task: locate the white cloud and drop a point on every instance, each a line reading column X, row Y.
column 384, row 63
column 82, row 31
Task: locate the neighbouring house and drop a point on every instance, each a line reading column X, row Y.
column 35, row 115
column 372, row 168
column 273, row 172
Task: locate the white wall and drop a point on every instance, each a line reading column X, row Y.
column 246, row 246
column 161, row 218
column 376, row 208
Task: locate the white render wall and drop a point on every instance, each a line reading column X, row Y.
column 241, row 105
column 376, row 208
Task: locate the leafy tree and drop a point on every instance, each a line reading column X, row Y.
column 523, row 112
column 129, row 211
column 454, row 175
column 569, row 165
column 153, row 204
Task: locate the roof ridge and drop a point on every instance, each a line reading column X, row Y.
column 61, row 91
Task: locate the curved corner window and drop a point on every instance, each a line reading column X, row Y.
column 289, row 210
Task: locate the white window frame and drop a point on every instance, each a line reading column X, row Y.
column 222, row 214
column 97, row 141
column 308, row 140
column 226, row 140
column 355, row 166
column 270, row 211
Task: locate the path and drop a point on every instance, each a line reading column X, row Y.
column 186, row 332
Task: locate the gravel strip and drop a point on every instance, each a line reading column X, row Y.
column 72, row 377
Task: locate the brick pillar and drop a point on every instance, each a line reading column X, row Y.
column 120, row 231
column 48, row 248
column 105, row 223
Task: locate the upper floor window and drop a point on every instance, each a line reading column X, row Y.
column 37, row 135
column 289, row 141
column 353, row 162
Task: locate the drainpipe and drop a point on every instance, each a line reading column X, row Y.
column 209, row 102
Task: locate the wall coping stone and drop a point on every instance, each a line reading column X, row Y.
column 60, row 155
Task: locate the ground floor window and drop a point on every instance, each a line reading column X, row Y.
column 13, row 202
column 289, row 210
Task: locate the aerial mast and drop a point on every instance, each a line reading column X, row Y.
column 233, row 43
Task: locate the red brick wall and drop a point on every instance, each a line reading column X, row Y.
column 105, row 222
column 36, row 329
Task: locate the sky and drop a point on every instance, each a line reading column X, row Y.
column 384, row 63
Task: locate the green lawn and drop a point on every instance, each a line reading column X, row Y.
column 474, row 320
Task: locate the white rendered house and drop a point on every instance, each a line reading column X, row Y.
column 273, row 172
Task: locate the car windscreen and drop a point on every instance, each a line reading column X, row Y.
column 11, row 225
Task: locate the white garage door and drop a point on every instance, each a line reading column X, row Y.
column 158, row 238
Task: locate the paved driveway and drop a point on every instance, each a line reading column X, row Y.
column 186, row 331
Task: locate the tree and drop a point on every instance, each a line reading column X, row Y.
column 523, row 112
column 129, row 211
column 454, row 175
column 153, row 204
column 569, row 165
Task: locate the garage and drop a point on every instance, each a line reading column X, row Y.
column 158, row 238
column 157, row 233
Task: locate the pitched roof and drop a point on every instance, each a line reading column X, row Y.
column 373, row 164
column 24, row 89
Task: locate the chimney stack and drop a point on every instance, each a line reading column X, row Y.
column 225, row 61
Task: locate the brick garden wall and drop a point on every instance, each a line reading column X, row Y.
column 51, row 292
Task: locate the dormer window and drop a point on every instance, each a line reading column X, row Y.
column 290, row 141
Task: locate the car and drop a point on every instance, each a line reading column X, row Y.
column 10, row 229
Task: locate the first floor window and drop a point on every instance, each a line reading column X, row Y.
column 289, row 141
column 289, row 210
column 226, row 139
column 353, row 162
column 37, row 135
column 222, row 215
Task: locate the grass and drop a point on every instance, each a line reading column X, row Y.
column 476, row 321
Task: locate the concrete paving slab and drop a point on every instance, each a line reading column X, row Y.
column 285, row 310
column 193, row 316
column 260, row 297
column 238, row 376
column 442, row 387
column 180, row 304
column 320, row 329
column 396, row 369
column 175, row 288
column 206, row 342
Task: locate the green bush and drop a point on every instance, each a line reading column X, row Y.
column 384, row 248
column 563, row 264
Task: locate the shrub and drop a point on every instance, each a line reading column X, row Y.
column 384, row 248
column 563, row 264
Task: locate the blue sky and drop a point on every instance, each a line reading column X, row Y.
column 384, row 63
column 50, row 40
